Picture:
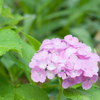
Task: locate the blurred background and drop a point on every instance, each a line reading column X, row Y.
column 56, row 18
column 44, row 19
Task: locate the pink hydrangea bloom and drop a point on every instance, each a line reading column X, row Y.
column 69, row 59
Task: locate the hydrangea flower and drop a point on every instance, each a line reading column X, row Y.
column 69, row 59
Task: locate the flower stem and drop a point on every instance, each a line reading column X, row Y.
column 60, row 90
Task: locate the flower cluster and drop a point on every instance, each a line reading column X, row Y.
column 68, row 58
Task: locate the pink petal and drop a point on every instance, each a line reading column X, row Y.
column 74, row 41
column 62, row 45
column 70, row 51
column 70, row 65
column 94, row 78
column 43, row 64
column 51, row 66
column 88, row 73
column 68, row 82
column 50, row 74
column 62, row 74
column 86, row 84
column 35, row 76
column 78, row 79
column 71, row 40
column 36, row 56
column 32, row 64
column 47, row 41
column 55, row 58
column 74, row 73
column 48, row 47
column 43, row 54
column 72, row 81
column 56, row 41
column 42, row 78
column 68, row 37
column 78, row 65
column 65, row 84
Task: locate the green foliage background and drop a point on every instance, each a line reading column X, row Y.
column 24, row 24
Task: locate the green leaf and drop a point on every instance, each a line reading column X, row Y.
column 30, row 18
column 50, row 26
column 9, row 40
column 81, row 2
column 76, row 94
column 49, row 88
column 54, row 5
column 1, row 98
column 6, row 12
column 30, row 92
column 28, row 6
column 18, row 29
column 89, row 6
column 93, row 91
column 8, row 27
column 73, row 11
column 58, row 14
column 10, row 3
column 6, row 92
column 19, row 63
column 7, row 62
column 77, row 85
column 36, row 44
column 15, row 72
column 83, row 35
column 3, row 71
column 62, row 97
column 27, row 53
column 22, row 61
column 3, row 81
column 44, row 5
column 1, row 4
column 10, row 21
